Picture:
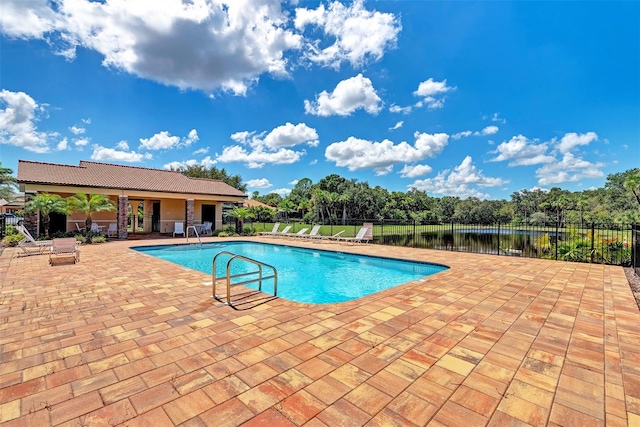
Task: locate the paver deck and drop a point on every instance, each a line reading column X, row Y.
column 125, row 339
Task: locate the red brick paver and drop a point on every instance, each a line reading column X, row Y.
column 122, row 338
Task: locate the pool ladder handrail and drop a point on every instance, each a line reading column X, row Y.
column 195, row 231
column 260, row 278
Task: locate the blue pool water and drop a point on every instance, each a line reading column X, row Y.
column 304, row 275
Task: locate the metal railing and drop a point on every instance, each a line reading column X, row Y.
column 635, row 257
column 229, row 276
column 195, row 231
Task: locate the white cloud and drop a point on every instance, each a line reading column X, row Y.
column 86, row 121
column 289, row 135
column 397, row 109
column 356, row 154
column 496, row 118
column 18, row 120
column 428, row 90
column 77, row 130
column 259, row 183
column 207, row 162
column 572, row 140
column 203, row 150
column 489, row 130
column 397, row 125
column 569, row 169
column 520, row 151
column 348, row 96
column 294, row 182
column 459, row 135
column 110, row 154
column 360, row 35
column 63, row 145
column 459, row 181
column 81, row 142
column 165, row 141
column 258, row 157
column 122, row 145
column 414, row 171
column 281, row 191
column 313, row 162
column 236, row 41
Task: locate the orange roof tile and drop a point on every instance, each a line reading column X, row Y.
column 105, row 175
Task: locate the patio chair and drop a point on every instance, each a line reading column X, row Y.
column 361, row 237
column 273, row 231
column 65, row 247
column 314, row 232
column 300, row 233
column 206, row 228
column 31, row 246
column 112, row 230
column 95, row 228
column 179, row 229
column 320, row 238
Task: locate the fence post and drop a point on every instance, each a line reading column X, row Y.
column 453, row 238
column 557, row 240
column 593, row 226
column 498, row 237
column 415, row 236
column 382, row 231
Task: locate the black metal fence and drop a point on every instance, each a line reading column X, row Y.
column 594, row 243
column 636, row 248
column 3, row 224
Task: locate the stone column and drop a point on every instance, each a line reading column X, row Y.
column 189, row 209
column 123, row 205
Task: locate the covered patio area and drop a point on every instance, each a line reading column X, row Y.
column 122, row 337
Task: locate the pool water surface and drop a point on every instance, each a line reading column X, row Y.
column 304, row 275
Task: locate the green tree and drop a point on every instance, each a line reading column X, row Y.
column 199, row 171
column 90, row 204
column 45, row 204
column 241, row 215
column 287, row 207
column 632, row 183
column 7, row 183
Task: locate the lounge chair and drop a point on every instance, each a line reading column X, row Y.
column 300, row 233
column 361, row 237
column 284, row 232
column 31, row 246
column 320, row 238
column 112, row 230
column 179, row 229
column 273, row 231
column 314, row 232
column 65, row 247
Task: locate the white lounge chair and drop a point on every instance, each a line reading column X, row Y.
column 320, row 238
column 314, row 232
column 284, row 231
column 361, row 237
column 274, row 230
column 179, row 229
column 65, row 247
column 300, row 233
column 112, row 230
column 31, row 246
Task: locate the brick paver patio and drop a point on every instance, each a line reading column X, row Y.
column 125, row 339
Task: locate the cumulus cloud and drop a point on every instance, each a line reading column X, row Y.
column 207, row 162
column 356, row 154
column 572, row 140
column 86, row 121
column 259, row 183
column 81, row 142
column 122, row 145
column 414, row 171
column 165, row 141
column 63, row 145
column 359, row 35
column 520, row 151
column 203, row 150
column 284, row 192
column 397, row 125
column 348, row 96
column 18, row 121
column 110, row 154
column 289, row 135
column 294, row 182
column 459, row 135
column 489, row 130
column 431, row 92
column 77, row 130
column 397, row 109
column 237, row 41
column 459, row 181
column 569, row 169
column 256, row 149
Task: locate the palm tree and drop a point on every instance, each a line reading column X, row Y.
column 90, row 204
column 7, row 183
column 45, row 204
column 287, row 206
column 240, row 214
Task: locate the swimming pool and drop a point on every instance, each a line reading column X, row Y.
column 304, row 275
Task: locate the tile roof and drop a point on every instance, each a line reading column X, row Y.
column 105, row 175
column 251, row 203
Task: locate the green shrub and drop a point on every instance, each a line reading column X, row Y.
column 229, row 229
column 248, row 231
column 216, row 232
column 98, row 239
column 224, row 234
column 12, row 239
column 81, row 238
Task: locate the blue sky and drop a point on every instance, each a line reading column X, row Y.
column 455, row 98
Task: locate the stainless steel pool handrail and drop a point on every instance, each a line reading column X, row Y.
column 260, row 278
column 195, row 231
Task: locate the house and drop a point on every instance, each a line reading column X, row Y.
column 147, row 200
column 12, row 207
